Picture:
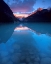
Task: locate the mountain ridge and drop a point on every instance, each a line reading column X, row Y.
column 6, row 14
column 43, row 15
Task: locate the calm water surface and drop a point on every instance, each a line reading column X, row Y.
column 25, row 44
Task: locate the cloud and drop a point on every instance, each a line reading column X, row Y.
column 21, row 5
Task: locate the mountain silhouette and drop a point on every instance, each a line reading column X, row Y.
column 6, row 14
column 40, row 15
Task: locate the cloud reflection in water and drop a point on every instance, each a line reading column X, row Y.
column 26, row 46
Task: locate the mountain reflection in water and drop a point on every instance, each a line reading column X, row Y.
column 25, row 46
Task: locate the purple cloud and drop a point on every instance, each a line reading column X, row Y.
column 21, row 5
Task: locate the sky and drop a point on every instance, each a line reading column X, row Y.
column 27, row 6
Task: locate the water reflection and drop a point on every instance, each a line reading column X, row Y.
column 43, row 28
column 25, row 46
column 21, row 28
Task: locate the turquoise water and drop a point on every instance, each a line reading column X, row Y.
column 25, row 46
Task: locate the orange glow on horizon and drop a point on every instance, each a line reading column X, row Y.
column 21, row 15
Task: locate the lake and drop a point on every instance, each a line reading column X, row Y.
column 25, row 43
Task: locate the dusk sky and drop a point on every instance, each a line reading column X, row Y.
column 27, row 5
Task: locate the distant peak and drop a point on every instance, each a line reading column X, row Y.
column 40, row 9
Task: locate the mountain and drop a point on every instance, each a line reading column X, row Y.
column 40, row 15
column 6, row 14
